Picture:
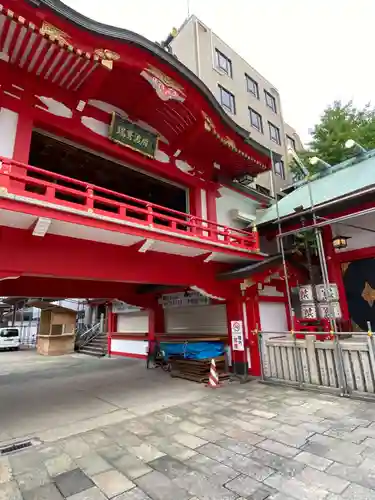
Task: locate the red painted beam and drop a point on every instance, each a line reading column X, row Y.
column 63, row 257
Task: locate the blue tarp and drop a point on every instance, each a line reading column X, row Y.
column 193, row 350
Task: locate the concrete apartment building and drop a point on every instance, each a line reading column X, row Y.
column 251, row 100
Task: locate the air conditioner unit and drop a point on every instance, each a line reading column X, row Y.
column 242, row 216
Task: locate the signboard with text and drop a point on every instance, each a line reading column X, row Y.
column 131, row 135
column 183, row 299
column 237, row 335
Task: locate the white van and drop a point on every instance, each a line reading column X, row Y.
column 10, row 338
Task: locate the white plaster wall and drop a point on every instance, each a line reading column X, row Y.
column 8, row 130
column 129, row 346
column 231, row 200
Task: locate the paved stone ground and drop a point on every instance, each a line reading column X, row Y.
column 240, row 442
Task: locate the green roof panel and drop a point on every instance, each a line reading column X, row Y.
column 339, row 181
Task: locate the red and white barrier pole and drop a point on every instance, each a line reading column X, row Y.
column 213, row 379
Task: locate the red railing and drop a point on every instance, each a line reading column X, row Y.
column 36, row 183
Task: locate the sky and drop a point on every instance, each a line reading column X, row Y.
column 313, row 51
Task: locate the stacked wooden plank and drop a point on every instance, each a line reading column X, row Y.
column 197, row 370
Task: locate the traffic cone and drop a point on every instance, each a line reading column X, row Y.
column 213, row 379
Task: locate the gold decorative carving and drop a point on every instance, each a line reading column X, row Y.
column 54, row 33
column 107, row 54
column 165, row 87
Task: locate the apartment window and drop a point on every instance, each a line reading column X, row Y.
column 274, row 133
column 256, row 120
column 280, row 169
column 270, row 101
column 223, row 63
column 290, row 142
column 227, row 100
column 252, row 86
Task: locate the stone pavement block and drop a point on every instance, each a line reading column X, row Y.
column 216, row 452
column 112, row 483
column 189, row 427
column 319, row 463
column 10, row 491
column 24, row 462
column 243, row 485
column 219, row 472
column 200, row 420
column 235, row 445
column 72, row 482
column 131, row 466
column 146, row 452
column 210, row 435
column 262, row 494
column 199, row 485
column 296, row 489
column 263, row 414
column 335, row 449
column 75, row 447
column 134, row 494
column 169, row 467
column 356, row 492
column 278, row 448
column 249, row 467
column 244, row 436
column 97, row 438
column 360, row 475
column 33, row 479
column 322, row 480
column 5, row 470
column 287, row 466
column 175, row 450
column 93, row 464
column 286, row 434
column 160, row 487
column 127, row 439
column 111, row 452
column 91, row 494
column 280, row 496
column 188, row 440
column 138, row 428
column 46, row 492
column 59, row 464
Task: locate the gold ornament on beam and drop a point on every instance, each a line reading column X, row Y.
column 54, row 33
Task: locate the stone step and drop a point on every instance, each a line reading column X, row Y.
column 99, row 353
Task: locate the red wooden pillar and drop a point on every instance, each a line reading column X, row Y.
column 334, row 270
column 235, row 314
column 155, row 322
column 253, row 322
column 211, row 204
column 22, row 145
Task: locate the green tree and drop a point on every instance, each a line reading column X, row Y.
column 338, row 123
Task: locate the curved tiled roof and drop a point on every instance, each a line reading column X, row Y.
column 127, row 36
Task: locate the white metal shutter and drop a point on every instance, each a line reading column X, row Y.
column 133, row 322
column 208, row 320
column 273, row 316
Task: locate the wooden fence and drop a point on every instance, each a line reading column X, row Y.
column 345, row 366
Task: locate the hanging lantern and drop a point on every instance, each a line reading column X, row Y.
column 340, row 242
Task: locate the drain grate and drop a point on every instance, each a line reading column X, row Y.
column 15, row 447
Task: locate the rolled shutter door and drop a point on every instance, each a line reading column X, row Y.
column 207, row 320
column 133, row 322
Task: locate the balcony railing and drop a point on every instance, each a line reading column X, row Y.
column 35, row 183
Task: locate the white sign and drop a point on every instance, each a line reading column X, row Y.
column 237, row 335
column 119, row 307
column 183, row 299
